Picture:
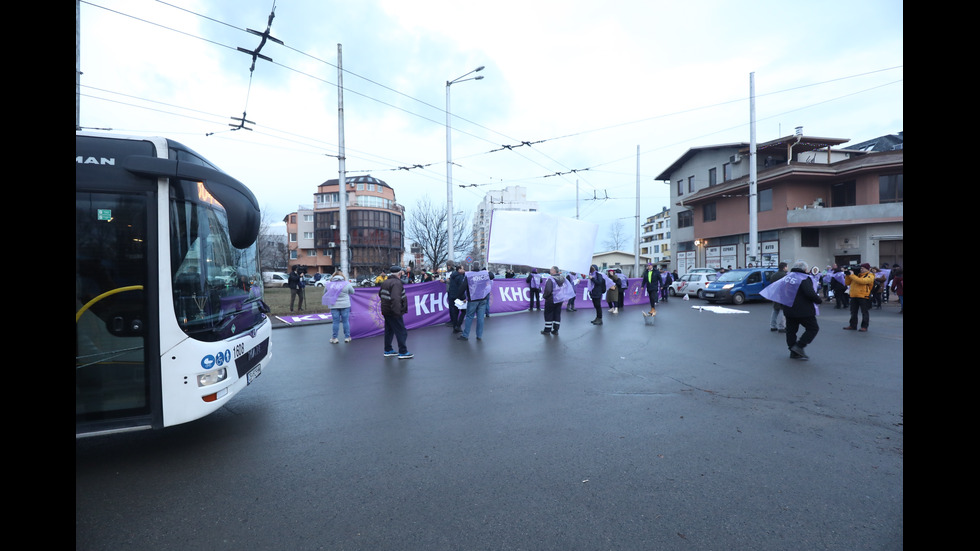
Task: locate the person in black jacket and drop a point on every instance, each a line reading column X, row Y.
column 394, row 306
column 454, row 291
column 802, row 312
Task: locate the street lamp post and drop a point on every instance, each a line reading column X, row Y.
column 449, row 163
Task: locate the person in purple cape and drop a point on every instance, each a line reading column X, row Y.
column 556, row 291
column 800, row 310
column 336, row 295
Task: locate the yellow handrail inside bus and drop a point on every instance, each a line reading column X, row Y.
column 103, row 295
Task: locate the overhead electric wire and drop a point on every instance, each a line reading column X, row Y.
column 521, row 143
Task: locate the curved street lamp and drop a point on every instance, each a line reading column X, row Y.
column 450, row 226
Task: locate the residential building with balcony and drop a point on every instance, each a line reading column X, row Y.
column 375, row 228
column 814, row 203
column 655, row 238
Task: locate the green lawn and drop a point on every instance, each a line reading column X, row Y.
column 278, row 300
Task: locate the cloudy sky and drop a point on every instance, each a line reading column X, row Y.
column 585, row 85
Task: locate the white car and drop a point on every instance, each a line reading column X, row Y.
column 275, row 279
column 692, row 284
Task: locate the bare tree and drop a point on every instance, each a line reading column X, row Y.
column 427, row 227
column 618, row 240
column 273, row 250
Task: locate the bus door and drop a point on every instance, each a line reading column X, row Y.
column 112, row 367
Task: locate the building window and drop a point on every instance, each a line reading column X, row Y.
column 809, row 237
column 690, row 184
column 680, row 187
column 685, row 219
column 726, row 172
column 292, row 237
column 712, row 177
column 843, row 194
column 765, row 200
column 890, row 189
column 709, row 212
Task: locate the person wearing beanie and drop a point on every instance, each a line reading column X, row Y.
column 860, row 281
column 802, row 312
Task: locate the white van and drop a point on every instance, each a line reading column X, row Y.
column 275, row 279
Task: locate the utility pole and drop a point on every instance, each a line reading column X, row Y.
column 636, row 263
column 342, row 179
column 753, row 202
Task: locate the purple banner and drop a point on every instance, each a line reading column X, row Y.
column 428, row 304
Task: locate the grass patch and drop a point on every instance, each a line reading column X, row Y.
column 278, row 300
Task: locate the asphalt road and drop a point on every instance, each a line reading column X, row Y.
column 697, row 433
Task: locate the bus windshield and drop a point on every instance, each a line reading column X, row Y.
column 217, row 287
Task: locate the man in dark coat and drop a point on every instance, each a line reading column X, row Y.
column 454, row 291
column 802, row 312
column 651, row 280
column 394, row 306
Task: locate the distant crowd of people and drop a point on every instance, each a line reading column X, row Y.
column 857, row 288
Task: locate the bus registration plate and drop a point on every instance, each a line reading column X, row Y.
column 253, row 374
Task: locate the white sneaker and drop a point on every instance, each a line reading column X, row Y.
column 347, row 339
column 334, row 341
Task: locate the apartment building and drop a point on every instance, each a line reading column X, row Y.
column 655, row 238
column 375, row 228
column 815, row 202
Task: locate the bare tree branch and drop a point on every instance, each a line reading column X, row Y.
column 427, row 228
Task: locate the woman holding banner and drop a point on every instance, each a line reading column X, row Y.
column 336, row 295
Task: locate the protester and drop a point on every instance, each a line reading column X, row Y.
column 597, row 287
column 878, row 288
column 839, row 288
column 556, row 290
column 802, row 312
column 477, row 291
column 572, row 278
column 612, row 292
column 454, row 292
column 624, row 287
column 651, row 280
column 898, row 287
column 665, row 280
column 534, row 286
column 777, row 321
column 394, row 306
column 860, row 282
column 336, row 295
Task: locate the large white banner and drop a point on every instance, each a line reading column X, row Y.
column 541, row 240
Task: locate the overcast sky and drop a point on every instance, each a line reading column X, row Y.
column 585, row 83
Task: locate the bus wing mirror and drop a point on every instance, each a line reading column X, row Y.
column 244, row 215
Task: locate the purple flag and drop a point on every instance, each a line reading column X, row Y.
column 332, row 291
column 783, row 290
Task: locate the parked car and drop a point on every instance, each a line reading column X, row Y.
column 738, row 286
column 275, row 279
column 692, row 284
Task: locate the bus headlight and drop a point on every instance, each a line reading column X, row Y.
column 212, row 377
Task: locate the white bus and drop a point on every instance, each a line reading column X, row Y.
column 169, row 318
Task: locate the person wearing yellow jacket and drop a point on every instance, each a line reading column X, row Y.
column 860, row 282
